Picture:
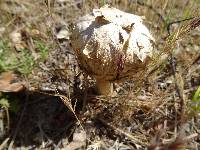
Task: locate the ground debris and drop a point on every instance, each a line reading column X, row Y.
column 128, row 120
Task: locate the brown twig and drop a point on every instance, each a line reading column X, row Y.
column 191, row 26
column 131, row 137
column 86, row 84
column 178, row 90
column 178, row 143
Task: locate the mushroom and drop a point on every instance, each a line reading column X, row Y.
column 111, row 46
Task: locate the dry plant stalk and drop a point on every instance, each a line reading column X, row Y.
column 179, row 143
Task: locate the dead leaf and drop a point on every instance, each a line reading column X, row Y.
column 63, row 34
column 16, row 37
column 10, row 83
column 35, row 32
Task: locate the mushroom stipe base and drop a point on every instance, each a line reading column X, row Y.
column 104, row 87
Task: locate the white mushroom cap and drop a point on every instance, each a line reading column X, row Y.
column 111, row 44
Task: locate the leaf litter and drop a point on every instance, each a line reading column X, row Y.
column 145, row 113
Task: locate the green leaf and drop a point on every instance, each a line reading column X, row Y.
column 195, row 103
column 43, row 50
column 196, row 96
column 4, row 103
column 26, row 63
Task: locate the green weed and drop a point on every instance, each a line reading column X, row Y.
column 10, row 103
column 195, row 103
column 43, row 50
column 26, row 62
column 4, row 103
column 8, row 60
column 22, row 61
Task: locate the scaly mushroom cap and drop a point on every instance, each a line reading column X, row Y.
column 111, row 44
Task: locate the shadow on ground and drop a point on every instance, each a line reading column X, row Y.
column 45, row 120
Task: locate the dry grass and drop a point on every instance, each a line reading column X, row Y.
column 151, row 112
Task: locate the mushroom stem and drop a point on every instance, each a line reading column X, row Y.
column 104, row 87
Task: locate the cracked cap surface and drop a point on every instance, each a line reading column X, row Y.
column 111, row 44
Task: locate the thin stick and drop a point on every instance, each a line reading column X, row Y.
column 8, row 119
column 3, row 144
column 85, row 92
column 187, row 138
column 135, row 139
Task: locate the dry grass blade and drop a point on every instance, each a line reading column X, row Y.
column 193, row 24
column 4, row 143
column 128, row 135
column 157, row 98
column 168, row 48
column 67, row 103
